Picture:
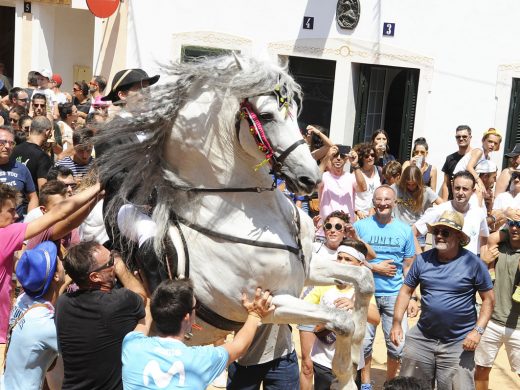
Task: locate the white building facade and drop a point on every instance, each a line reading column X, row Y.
column 413, row 67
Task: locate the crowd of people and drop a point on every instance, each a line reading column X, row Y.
column 74, row 316
column 467, row 280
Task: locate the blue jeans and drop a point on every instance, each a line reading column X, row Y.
column 385, row 306
column 431, row 359
column 280, row 374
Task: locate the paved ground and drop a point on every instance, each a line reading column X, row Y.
column 501, row 376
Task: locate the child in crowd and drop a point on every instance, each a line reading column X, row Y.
column 392, row 172
column 351, row 252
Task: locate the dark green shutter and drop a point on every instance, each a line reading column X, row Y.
column 513, row 120
column 409, row 106
column 361, row 104
column 189, row 53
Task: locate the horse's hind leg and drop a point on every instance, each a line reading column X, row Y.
column 345, row 377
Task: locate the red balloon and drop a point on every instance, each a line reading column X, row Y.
column 102, row 8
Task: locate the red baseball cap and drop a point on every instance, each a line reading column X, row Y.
column 57, row 79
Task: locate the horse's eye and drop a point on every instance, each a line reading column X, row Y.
column 266, row 117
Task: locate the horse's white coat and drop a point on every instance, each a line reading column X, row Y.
column 193, row 122
column 201, row 154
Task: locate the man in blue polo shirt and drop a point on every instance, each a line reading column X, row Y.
column 393, row 242
column 441, row 347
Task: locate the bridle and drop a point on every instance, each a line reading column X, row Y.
column 256, row 129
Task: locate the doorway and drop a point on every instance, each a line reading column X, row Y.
column 316, row 78
column 386, row 99
column 7, row 25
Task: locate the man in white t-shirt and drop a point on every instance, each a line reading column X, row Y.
column 475, row 225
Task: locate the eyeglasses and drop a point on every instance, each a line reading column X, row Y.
column 337, row 226
column 515, row 175
column 443, row 232
column 461, row 137
column 515, row 224
column 5, row 142
column 41, row 105
column 108, row 264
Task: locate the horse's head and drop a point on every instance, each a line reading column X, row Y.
column 268, row 131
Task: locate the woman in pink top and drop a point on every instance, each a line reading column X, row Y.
column 13, row 234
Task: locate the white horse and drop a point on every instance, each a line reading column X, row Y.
column 208, row 140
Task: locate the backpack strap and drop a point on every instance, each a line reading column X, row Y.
column 11, row 327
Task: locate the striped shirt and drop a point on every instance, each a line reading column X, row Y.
column 78, row 171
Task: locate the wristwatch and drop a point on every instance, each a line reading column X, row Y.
column 480, row 330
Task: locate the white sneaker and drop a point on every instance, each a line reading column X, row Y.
column 221, row 380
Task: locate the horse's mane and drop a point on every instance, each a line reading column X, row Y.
column 138, row 169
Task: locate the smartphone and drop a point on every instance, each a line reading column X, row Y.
column 344, row 149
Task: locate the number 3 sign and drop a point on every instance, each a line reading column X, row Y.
column 388, row 29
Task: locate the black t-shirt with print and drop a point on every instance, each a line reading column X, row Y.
column 34, row 158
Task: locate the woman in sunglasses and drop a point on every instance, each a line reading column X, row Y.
column 367, row 159
column 419, row 154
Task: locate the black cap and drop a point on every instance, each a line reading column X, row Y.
column 126, row 78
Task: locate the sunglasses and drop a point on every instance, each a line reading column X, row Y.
column 369, row 155
column 5, row 142
column 337, row 226
column 13, row 120
column 515, row 175
column 461, row 137
column 76, row 89
column 26, row 128
column 108, row 264
column 513, row 224
column 39, row 105
column 443, row 232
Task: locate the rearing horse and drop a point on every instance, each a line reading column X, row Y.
column 208, row 140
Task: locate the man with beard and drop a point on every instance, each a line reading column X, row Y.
column 475, row 225
column 442, row 346
column 92, row 322
column 393, row 242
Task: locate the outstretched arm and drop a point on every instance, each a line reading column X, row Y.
column 61, row 211
column 258, row 309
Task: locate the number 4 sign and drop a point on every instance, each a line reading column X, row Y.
column 388, row 29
